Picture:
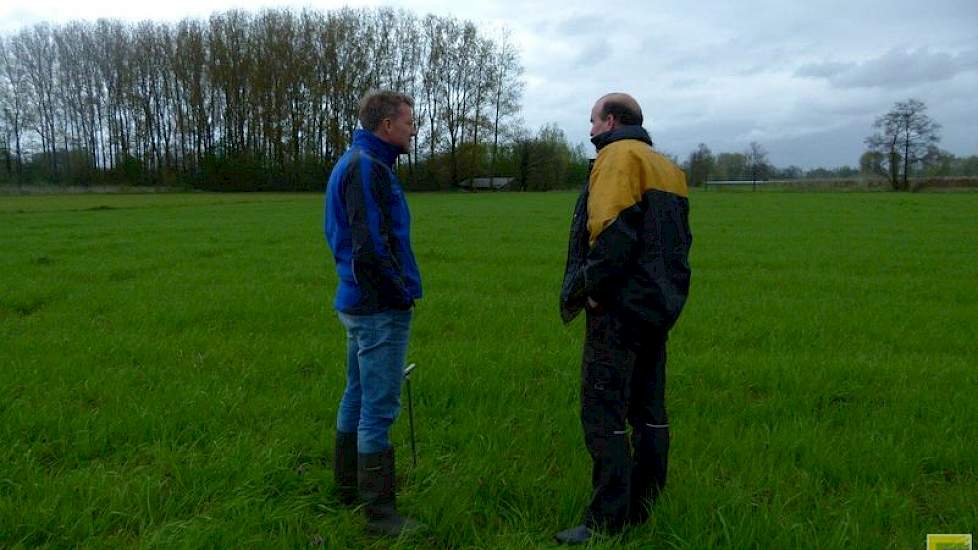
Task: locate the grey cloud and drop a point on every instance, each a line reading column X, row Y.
column 733, row 56
column 684, row 83
column 829, row 148
column 901, row 68
column 969, row 60
column 575, row 25
column 18, row 19
column 820, row 110
column 594, row 52
column 897, row 68
column 823, row 70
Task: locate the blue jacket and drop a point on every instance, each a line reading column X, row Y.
column 368, row 228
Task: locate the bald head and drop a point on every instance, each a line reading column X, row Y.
column 614, row 110
column 622, row 106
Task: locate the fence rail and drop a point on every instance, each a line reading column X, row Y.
column 754, row 183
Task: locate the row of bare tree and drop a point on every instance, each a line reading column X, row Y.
column 275, row 92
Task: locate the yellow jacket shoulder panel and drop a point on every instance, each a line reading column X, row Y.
column 622, row 173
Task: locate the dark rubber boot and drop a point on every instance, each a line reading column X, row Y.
column 345, row 467
column 575, row 535
column 651, row 464
column 376, row 478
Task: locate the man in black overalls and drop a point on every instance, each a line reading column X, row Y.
column 628, row 268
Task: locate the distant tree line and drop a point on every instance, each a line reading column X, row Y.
column 544, row 161
column 751, row 165
column 268, row 101
column 262, row 101
column 904, row 146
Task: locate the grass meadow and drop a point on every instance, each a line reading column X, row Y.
column 170, row 368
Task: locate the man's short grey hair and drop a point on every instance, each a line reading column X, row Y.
column 380, row 104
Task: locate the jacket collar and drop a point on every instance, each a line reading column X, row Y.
column 376, row 147
column 620, row 133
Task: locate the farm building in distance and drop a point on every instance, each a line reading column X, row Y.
column 486, row 184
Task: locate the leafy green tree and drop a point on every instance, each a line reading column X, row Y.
column 790, row 173
column 757, row 166
column 967, row 166
column 871, row 164
column 938, row 163
column 700, row 165
column 904, row 137
column 731, row 166
column 276, row 92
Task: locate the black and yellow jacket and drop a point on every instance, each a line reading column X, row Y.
column 630, row 238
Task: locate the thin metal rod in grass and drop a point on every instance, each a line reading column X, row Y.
column 407, row 383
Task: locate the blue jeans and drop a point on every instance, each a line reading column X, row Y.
column 376, row 347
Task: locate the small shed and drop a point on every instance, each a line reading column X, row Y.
column 486, row 184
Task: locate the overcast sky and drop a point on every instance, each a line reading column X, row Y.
column 805, row 79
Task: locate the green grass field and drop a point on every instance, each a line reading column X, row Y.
column 170, row 368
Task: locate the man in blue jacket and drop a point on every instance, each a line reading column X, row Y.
column 368, row 229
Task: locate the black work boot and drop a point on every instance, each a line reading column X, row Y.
column 376, row 477
column 649, row 469
column 575, row 535
column 345, row 467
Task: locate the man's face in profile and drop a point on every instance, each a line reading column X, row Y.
column 599, row 125
column 400, row 129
